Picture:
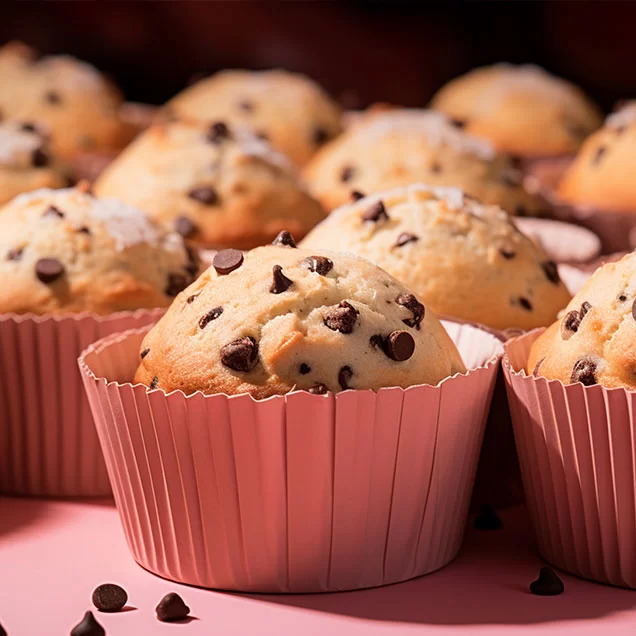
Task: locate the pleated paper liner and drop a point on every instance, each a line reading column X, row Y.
column 295, row 493
column 577, row 448
column 48, row 443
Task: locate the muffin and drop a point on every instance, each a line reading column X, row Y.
column 284, row 319
column 390, row 148
column 215, row 184
column 25, row 160
column 522, row 110
column 78, row 105
column 65, row 251
column 593, row 342
column 288, row 109
column 462, row 258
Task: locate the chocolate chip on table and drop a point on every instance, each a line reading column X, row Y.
column 551, row 271
column 15, row 254
column 376, row 213
column 320, row 135
column 184, row 226
column 547, row 584
column 356, row 195
column 227, row 261
column 318, row 389
column 415, row 307
column 399, row 345
column 507, row 254
column 48, row 270
column 537, row 366
column 405, row 238
column 598, row 155
column 88, row 627
column 240, row 354
column 341, row 318
column 154, row 383
column 213, row 314
column 487, row 519
column 172, row 608
column 284, row 239
column 144, row 353
column 318, row 264
column 39, row 158
column 204, row 194
column 584, row 371
column 281, row 283
column 344, row 375
column 525, row 303
column 346, row 174
column 52, row 97
column 218, row 132
column 109, row 597
column 176, row 284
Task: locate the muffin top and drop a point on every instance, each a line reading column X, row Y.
column 26, row 162
column 389, row 148
column 218, row 185
column 461, row 258
column 77, row 104
column 288, row 109
column 284, row 318
column 64, row 251
column 594, row 342
column 522, row 110
column 602, row 174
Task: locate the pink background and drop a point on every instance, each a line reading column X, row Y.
column 52, row 555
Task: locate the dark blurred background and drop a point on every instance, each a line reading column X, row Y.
column 360, row 51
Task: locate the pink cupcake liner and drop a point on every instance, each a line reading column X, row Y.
column 48, row 443
column 295, row 493
column 577, row 449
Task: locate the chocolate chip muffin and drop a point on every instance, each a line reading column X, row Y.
column 289, row 110
column 218, row 185
column 389, row 148
column 593, row 342
column 26, row 162
column 522, row 110
column 64, row 251
column 602, row 175
column 461, row 258
column 77, row 104
column 282, row 319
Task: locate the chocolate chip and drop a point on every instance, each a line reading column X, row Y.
column 88, row 627
column 399, row 346
column 598, row 155
column 53, row 211
column 457, row 122
column 570, row 324
column 356, row 195
column 622, row 298
column 246, row 106
column 537, row 366
column 240, row 354
column 377, row 341
column 15, row 254
column 48, row 269
column 227, row 261
column 342, row 317
column 144, row 353
column 344, row 375
column 28, row 126
column 584, row 372
column 184, row 226
column 284, row 239
column 346, row 174
column 436, row 167
column 551, row 271
column 213, row 314
column 585, row 307
column 218, row 132
column 304, row 369
column 109, row 597
column 320, row 135
column 507, row 254
column 318, row 264
column 405, row 238
column 525, row 303
column 634, row 310
column 39, row 158
column 376, row 213
column 192, row 298
column 154, row 383
column 84, row 229
column 172, row 608
column 204, row 194
column 281, row 282
column 415, row 307
column 317, row 389
column 547, row 584
column 176, row 284
column 487, row 519
column 52, row 97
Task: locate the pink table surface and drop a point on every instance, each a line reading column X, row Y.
column 52, row 555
